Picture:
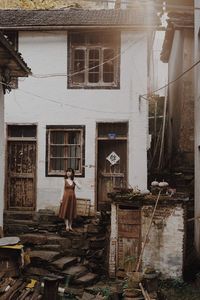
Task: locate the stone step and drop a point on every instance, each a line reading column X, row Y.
column 45, row 256
column 64, row 262
column 19, row 215
column 36, row 271
column 20, row 222
column 33, row 238
column 75, row 271
column 13, row 229
column 48, row 247
column 86, row 279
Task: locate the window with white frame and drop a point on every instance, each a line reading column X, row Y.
column 65, row 149
column 93, row 60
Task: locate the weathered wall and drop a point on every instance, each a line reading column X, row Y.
column 197, row 127
column 47, row 101
column 164, row 249
column 181, row 101
column 2, row 154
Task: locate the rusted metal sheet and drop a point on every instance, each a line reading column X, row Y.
column 21, row 172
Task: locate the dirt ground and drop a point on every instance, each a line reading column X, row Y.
column 179, row 290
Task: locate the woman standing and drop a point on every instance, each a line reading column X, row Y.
column 67, row 210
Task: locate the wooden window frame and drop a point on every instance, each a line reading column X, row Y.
column 57, row 173
column 86, row 47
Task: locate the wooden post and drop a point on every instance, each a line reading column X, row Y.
column 147, row 234
column 50, row 288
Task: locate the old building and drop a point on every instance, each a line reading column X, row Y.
column 81, row 106
column 12, row 66
column 178, row 52
column 197, row 125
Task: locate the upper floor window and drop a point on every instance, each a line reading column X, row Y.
column 93, row 60
column 65, row 149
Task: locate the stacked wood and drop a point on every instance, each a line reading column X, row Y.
column 11, row 289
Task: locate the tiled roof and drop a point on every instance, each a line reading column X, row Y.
column 176, row 21
column 78, row 17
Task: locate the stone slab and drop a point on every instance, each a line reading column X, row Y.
column 44, row 255
column 38, row 271
column 33, row 238
column 86, row 279
column 76, row 271
column 64, row 262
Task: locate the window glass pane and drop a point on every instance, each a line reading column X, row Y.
column 94, row 62
column 57, row 151
column 57, row 164
column 79, row 66
column 74, row 137
column 21, row 131
column 57, row 137
column 108, row 67
column 74, row 163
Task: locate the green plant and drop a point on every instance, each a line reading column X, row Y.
column 129, row 263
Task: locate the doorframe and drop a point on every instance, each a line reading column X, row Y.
column 6, row 162
column 96, row 156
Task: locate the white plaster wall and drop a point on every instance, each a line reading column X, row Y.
column 47, row 101
column 197, row 127
column 164, row 248
column 2, row 154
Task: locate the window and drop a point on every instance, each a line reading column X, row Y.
column 93, row 60
column 65, row 149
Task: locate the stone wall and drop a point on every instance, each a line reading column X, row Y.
column 164, row 248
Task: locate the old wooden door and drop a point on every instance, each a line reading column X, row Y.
column 111, row 161
column 129, row 237
column 21, row 168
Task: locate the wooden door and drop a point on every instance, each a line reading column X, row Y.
column 21, row 174
column 112, row 164
column 129, row 238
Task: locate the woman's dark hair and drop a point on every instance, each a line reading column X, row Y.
column 69, row 170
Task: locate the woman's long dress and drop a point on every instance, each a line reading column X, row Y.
column 68, row 205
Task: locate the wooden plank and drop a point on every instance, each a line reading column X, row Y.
column 129, row 231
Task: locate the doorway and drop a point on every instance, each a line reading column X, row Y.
column 21, row 167
column 111, row 160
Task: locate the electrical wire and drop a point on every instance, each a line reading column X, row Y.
column 170, row 82
column 86, row 69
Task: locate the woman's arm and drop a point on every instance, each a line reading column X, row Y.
column 77, row 184
column 62, row 192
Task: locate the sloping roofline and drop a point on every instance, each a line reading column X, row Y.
column 69, row 18
column 15, row 55
column 176, row 21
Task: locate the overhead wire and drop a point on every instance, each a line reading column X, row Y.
column 79, row 107
column 169, row 83
column 86, row 69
